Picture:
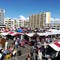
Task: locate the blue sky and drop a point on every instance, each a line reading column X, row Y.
column 15, row 8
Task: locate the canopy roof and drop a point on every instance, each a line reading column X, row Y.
column 13, row 33
column 4, row 33
column 30, row 34
column 53, row 31
column 55, row 46
column 43, row 34
column 49, row 32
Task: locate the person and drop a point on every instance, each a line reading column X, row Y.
column 7, row 56
column 45, row 46
column 11, row 48
column 16, row 44
column 18, row 40
column 0, row 56
column 6, row 45
column 31, row 53
column 34, row 55
column 14, row 53
column 49, row 58
column 28, row 57
column 14, row 40
column 39, row 55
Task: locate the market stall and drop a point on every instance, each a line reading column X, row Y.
column 55, row 46
column 53, row 50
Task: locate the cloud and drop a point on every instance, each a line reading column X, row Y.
column 22, row 17
column 27, row 18
column 10, row 18
column 7, row 18
column 55, row 19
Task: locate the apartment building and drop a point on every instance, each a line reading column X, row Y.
column 8, row 22
column 15, row 23
column 2, row 13
column 23, row 23
column 39, row 20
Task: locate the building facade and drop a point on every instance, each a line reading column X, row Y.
column 23, row 23
column 2, row 13
column 15, row 23
column 8, row 22
column 39, row 20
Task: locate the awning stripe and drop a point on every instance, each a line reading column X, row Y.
column 57, row 44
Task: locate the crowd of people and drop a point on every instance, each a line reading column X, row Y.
column 8, row 51
column 38, row 50
column 42, row 51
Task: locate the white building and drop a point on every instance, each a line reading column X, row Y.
column 21, row 23
column 15, row 23
column 8, row 22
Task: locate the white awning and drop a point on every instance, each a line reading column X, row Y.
column 12, row 33
column 55, row 46
column 30, row 34
column 4, row 33
column 42, row 34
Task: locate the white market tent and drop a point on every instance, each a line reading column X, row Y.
column 30, row 34
column 55, row 46
column 49, row 32
column 42, row 34
column 4, row 33
column 53, row 32
column 13, row 33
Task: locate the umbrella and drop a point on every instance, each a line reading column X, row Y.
column 19, row 30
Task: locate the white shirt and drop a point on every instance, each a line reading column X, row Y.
column 49, row 59
column 45, row 44
column 0, row 55
column 6, row 43
column 16, row 42
column 14, row 39
column 14, row 52
column 40, row 55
